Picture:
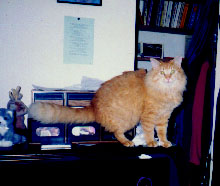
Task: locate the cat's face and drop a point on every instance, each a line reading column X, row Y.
column 167, row 74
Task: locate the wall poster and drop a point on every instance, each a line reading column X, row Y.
column 78, row 40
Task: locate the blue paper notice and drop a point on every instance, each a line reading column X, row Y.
column 78, row 40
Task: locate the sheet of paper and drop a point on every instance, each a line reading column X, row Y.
column 78, row 40
column 87, row 83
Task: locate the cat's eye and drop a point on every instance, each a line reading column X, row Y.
column 172, row 72
column 162, row 72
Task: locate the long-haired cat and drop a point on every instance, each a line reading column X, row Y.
column 122, row 102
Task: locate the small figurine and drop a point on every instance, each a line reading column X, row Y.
column 18, row 106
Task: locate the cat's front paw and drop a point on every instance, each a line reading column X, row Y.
column 166, row 144
column 152, row 144
column 128, row 144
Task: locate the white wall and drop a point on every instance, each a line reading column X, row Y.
column 31, row 43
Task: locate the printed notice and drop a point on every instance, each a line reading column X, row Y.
column 78, row 40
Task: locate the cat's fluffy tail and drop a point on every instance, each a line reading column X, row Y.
column 52, row 113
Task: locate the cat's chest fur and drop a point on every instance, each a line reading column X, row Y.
column 161, row 102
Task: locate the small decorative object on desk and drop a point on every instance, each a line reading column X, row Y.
column 8, row 137
column 12, row 127
column 18, row 106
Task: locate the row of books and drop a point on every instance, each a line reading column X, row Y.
column 166, row 13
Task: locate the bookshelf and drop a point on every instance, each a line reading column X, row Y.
column 168, row 16
column 165, row 18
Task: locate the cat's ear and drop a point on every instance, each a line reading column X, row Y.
column 155, row 63
column 178, row 61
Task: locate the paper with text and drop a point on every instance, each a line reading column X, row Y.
column 78, row 40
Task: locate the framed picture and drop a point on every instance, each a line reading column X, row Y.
column 83, row 2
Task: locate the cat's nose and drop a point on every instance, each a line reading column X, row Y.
column 167, row 76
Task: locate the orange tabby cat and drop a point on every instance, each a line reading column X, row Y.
column 125, row 100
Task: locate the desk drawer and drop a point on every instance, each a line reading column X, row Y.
column 79, row 99
column 57, row 98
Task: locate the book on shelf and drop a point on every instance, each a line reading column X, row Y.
column 169, row 13
column 159, row 12
column 150, row 12
column 164, row 12
column 183, row 19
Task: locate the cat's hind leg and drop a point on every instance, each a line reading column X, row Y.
column 122, row 139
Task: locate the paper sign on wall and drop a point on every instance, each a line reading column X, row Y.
column 78, row 40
